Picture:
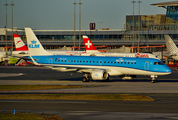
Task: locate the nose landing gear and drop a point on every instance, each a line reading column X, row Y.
column 153, row 78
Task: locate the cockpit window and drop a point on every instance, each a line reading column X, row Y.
column 158, row 63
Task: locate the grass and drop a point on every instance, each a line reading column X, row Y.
column 35, row 87
column 24, row 116
column 118, row 97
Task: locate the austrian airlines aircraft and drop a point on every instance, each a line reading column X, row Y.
column 90, row 48
column 94, row 67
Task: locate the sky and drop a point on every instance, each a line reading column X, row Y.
column 59, row 14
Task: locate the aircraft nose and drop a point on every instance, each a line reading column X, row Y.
column 168, row 70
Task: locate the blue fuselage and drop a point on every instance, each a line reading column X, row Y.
column 139, row 64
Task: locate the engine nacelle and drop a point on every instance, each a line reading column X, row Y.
column 99, row 75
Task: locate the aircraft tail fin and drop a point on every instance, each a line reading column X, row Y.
column 89, row 45
column 171, row 46
column 19, row 44
column 34, row 45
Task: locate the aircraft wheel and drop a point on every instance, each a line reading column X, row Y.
column 84, row 79
column 153, row 81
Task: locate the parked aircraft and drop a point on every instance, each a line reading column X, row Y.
column 90, row 48
column 172, row 50
column 22, row 48
column 95, row 67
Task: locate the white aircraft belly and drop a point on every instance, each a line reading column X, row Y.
column 114, row 71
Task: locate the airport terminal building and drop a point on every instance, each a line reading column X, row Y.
column 149, row 29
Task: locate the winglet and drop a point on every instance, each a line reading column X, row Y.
column 89, row 45
column 19, row 44
column 171, row 46
column 34, row 45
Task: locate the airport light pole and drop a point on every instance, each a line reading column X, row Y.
column 12, row 25
column 79, row 23
column 6, row 23
column 100, row 25
column 139, row 25
column 74, row 21
column 133, row 27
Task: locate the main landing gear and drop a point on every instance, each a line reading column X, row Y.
column 86, row 78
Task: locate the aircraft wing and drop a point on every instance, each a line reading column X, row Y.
column 169, row 54
column 74, row 69
column 22, row 57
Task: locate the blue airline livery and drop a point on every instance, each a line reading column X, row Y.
column 95, row 67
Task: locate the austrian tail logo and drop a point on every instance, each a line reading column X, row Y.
column 34, row 45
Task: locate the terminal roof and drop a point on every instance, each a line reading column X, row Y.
column 173, row 3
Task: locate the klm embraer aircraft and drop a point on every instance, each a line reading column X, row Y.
column 94, row 67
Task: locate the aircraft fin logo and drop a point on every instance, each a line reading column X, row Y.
column 34, row 45
column 88, row 44
column 18, row 42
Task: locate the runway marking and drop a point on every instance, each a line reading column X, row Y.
column 156, row 79
column 46, row 81
column 10, row 74
column 45, row 101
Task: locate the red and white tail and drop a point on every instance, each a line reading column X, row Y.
column 19, row 44
column 90, row 48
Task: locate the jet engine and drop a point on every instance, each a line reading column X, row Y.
column 99, row 75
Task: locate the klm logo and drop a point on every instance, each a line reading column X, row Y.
column 33, row 45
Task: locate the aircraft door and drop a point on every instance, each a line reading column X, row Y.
column 50, row 61
column 147, row 65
